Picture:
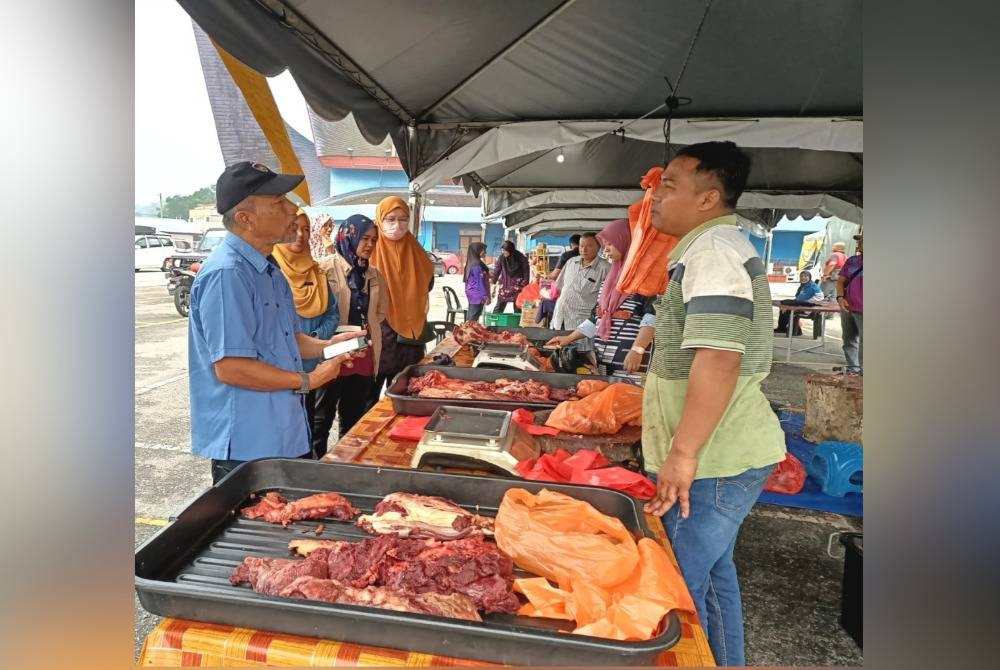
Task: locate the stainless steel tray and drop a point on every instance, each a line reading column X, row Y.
column 414, row 406
column 470, row 422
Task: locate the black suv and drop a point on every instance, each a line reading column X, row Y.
column 183, row 260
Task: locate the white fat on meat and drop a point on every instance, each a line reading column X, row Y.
column 411, row 515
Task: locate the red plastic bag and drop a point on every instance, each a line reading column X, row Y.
column 586, row 467
column 532, row 292
column 600, row 413
column 788, row 476
column 526, row 419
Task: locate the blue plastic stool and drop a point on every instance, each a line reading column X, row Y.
column 838, row 468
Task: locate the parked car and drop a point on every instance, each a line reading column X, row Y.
column 180, row 273
column 438, row 264
column 452, row 263
column 151, row 250
column 183, row 260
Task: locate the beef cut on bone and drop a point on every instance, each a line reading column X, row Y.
column 412, row 515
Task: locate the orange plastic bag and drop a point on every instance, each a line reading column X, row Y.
column 588, row 386
column 601, row 413
column 644, row 270
column 555, row 536
column 607, row 583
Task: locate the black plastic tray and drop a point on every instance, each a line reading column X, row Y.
column 183, row 571
column 414, row 406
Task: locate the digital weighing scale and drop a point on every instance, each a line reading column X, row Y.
column 480, row 439
column 512, row 356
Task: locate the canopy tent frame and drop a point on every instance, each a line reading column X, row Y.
column 579, row 70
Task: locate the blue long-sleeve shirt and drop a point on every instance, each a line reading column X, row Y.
column 809, row 292
column 322, row 327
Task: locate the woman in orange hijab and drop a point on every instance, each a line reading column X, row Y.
column 409, row 278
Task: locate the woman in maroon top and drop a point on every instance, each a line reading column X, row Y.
column 512, row 272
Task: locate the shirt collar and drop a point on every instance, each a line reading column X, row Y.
column 724, row 220
column 243, row 248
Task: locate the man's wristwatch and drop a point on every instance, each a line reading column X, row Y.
column 639, row 350
column 304, row 388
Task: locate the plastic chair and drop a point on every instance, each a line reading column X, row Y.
column 838, row 467
column 454, row 306
column 441, row 329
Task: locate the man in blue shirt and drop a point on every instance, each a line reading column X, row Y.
column 808, row 293
column 245, row 348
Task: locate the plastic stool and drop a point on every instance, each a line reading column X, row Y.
column 838, row 467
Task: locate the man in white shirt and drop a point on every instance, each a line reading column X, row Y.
column 580, row 285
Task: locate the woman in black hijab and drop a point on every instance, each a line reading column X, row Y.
column 511, row 273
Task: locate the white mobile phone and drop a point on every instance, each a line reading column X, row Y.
column 347, row 346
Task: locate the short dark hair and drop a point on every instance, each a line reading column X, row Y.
column 589, row 234
column 574, row 239
column 727, row 163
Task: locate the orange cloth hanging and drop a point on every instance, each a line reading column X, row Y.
column 645, row 267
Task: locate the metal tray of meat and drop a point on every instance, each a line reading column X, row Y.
column 537, row 336
column 183, row 570
column 415, row 406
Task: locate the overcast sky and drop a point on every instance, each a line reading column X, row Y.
column 176, row 149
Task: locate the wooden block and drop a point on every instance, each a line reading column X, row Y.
column 834, row 408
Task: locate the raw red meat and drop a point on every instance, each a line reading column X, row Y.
column 274, row 508
column 435, row 384
column 469, row 565
column 473, row 331
column 272, row 575
column 411, row 515
column 454, row 605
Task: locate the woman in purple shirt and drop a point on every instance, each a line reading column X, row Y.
column 850, row 297
column 477, row 280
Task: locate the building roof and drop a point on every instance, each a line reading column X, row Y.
column 240, row 136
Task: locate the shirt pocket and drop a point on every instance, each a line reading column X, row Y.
column 273, row 331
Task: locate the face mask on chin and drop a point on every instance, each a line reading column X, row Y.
column 394, row 231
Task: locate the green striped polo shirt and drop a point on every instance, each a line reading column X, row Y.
column 718, row 297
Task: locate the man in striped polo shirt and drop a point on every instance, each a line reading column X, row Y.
column 709, row 437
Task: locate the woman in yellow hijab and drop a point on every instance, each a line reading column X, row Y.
column 409, row 278
column 315, row 304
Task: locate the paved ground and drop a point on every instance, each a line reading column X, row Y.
column 791, row 588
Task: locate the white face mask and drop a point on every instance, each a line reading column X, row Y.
column 394, row 230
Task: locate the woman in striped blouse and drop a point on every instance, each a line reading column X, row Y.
column 620, row 333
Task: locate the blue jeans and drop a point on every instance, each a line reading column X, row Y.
column 704, row 545
column 854, row 339
column 475, row 311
